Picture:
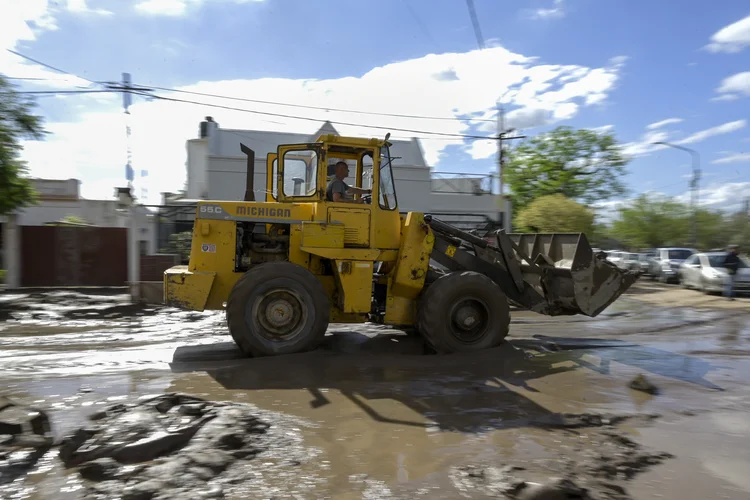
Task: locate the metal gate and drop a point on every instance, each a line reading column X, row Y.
column 73, row 256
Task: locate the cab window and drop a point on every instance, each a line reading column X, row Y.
column 387, row 196
column 300, row 173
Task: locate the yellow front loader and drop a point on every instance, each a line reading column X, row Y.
column 286, row 267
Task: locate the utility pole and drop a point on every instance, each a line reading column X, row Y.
column 127, row 89
column 694, row 188
column 503, row 135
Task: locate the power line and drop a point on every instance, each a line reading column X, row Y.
column 419, row 22
column 281, row 115
column 36, row 79
column 55, row 92
column 48, row 66
column 321, row 108
column 146, row 92
column 113, row 86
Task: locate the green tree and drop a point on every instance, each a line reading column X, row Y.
column 555, row 214
column 581, row 164
column 652, row 221
column 737, row 230
column 16, row 123
column 713, row 230
column 179, row 243
column 75, row 220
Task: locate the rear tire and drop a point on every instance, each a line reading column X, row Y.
column 463, row 311
column 277, row 308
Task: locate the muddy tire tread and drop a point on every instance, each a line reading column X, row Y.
column 436, row 300
column 238, row 297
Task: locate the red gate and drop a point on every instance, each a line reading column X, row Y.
column 73, row 256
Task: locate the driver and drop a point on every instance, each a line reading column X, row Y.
column 338, row 189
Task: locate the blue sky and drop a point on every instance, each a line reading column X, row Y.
column 623, row 65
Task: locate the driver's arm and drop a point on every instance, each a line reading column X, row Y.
column 356, row 190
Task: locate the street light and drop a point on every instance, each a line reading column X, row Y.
column 694, row 190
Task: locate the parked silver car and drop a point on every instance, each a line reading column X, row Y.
column 629, row 262
column 705, row 272
column 666, row 263
column 644, row 261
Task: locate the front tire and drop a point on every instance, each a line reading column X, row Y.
column 277, row 308
column 463, row 311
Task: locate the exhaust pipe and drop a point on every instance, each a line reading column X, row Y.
column 250, row 180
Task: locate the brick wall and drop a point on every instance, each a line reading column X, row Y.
column 153, row 266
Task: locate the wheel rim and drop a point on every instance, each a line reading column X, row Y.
column 469, row 319
column 280, row 313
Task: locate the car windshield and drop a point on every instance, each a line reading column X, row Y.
column 679, row 254
column 717, row 260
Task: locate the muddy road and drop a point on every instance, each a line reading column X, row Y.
column 371, row 415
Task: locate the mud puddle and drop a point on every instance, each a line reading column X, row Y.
column 376, row 418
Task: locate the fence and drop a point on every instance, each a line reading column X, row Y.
column 73, row 256
column 153, row 266
column 461, row 183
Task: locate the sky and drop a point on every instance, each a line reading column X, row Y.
column 673, row 70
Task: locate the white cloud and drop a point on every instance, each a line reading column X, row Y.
column 175, row 7
column 725, row 128
column 725, row 97
column 602, row 129
column 90, row 143
column 24, row 21
column 645, row 145
column 664, row 123
column 81, row 7
column 162, row 7
column 731, row 38
column 728, row 196
column 733, row 87
column 733, row 158
column 551, row 13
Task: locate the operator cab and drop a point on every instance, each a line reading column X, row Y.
column 308, row 168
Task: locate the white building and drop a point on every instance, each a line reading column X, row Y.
column 217, row 168
column 60, row 201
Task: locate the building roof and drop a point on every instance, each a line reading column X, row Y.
column 408, row 152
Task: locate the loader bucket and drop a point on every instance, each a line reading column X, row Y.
column 567, row 273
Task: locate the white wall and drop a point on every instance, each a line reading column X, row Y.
column 227, row 176
column 489, row 205
column 197, row 156
column 12, row 252
column 102, row 213
column 97, row 212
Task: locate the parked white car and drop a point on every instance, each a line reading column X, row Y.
column 614, row 256
column 666, row 263
column 629, row 262
column 705, row 272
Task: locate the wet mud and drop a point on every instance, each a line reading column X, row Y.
column 372, row 413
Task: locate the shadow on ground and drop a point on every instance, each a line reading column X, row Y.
column 458, row 392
